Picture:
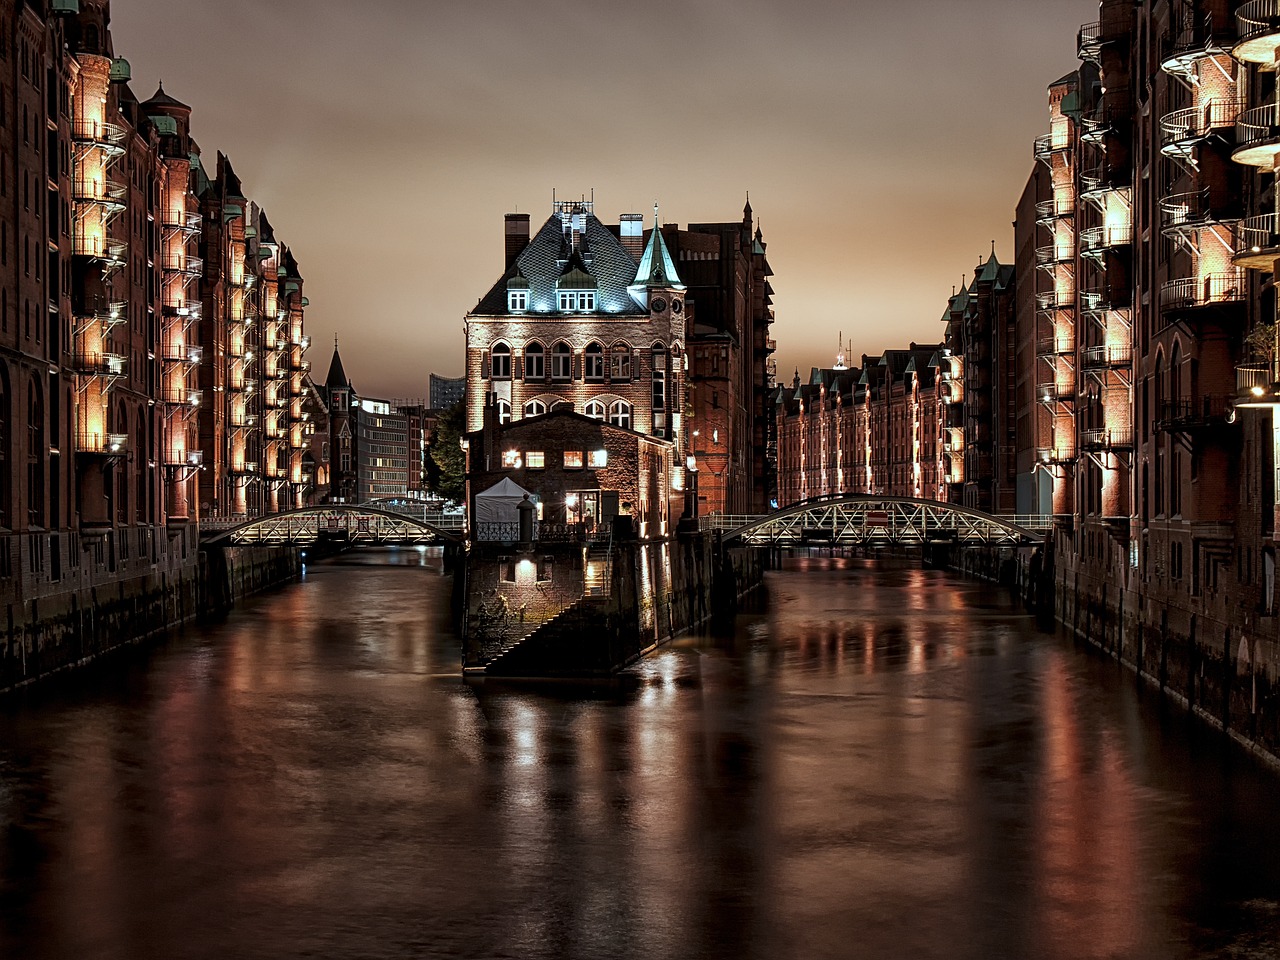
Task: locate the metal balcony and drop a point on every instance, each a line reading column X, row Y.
column 1107, row 356
column 96, row 364
column 245, row 468
column 1257, row 32
column 1089, row 42
column 952, row 391
column 1192, row 416
column 1192, row 293
column 189, row 267
column 187, row 309
column 102, row 444
column 304, row 342
column 181, row 221
column 104, row 192
column 1055, row 300
column 1260, row 242
column 1107, row 439
column 1061, row 454
column 1047, row 211
column 1096, row 185
column 1256, row 385
column 1056, row 393
column 1096, row 241
column 1049, row 145
column 113, row 253
column 1258, row 136
column 246, row 385
column 1051, row 348
column 97, row 133
column 1183, row 213
column 184, row 354
column 1183, row 130
column 1194, row 42
column 181, row 397
column 1051, row 256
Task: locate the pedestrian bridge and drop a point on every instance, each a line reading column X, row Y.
column 355, row 524
column 865, row 519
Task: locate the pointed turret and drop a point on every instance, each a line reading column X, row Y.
column 337, row 379
column 657, row 269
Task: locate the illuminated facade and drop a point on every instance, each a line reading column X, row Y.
column 113, row 363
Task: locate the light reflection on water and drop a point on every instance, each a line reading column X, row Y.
column 885, row 762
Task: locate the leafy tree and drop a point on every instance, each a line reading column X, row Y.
column 446, row 463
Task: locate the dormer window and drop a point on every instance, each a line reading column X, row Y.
column 577, row 301
column 517, row 300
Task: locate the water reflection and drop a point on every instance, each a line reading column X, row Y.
column 886, row 762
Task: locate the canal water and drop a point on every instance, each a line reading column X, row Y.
column 883, row 762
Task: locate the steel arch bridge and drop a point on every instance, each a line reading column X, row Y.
column 866, row 519
column 348, row 523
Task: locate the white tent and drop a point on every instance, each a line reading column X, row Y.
column 497, row 516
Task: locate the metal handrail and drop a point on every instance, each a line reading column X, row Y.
column 1055, row 209
column 1195, row 123
column 98, row 131
column 1257, row 18
column 1107, row 439
column 1106, row 237
column 1203, row 291
column 1258, row 125
column 1089, row 41
column 1107, row 355
column 104, row 191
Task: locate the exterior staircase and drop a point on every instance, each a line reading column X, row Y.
column 574, row 643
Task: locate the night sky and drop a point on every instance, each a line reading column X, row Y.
column 884, row 145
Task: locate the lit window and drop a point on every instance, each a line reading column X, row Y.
column 620, row 362
column 596, row 410
column 535, row 460
column 517, row 300
column 535, row 361
column 535, row 408
column 573, row 459
column 598, row 459
column 511, row 460
column 593, row 361
column 620, row 414
column 504, row 411
column 561, row 361
column 500, row 362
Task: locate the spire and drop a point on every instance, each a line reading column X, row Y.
column 746, row 211
column 656, row 269
column 337, row 378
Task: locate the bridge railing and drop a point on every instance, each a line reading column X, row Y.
column 724, row 521
column 449, row 522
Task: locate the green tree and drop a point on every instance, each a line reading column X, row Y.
column 446, row 463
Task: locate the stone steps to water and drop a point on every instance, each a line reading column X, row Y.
column 572, row 643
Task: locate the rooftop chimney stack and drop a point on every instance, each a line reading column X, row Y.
column 517, row 228
column 632, row 234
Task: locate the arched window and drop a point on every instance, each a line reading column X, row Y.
column 593, row 361
column 535, row 361
column 140, row 469
column 535, row 408
column 35, row 455
column 504, row 411
column 620, row 362
column 561, row 362
column 620, row 414
column 500, row 361
column 596, row 410
column 562, row 405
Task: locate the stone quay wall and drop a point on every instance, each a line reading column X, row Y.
column 68, row 624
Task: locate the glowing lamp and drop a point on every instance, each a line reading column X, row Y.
column 1257, row 391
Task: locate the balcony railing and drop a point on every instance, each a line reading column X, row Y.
column 1258, row 136
column 1054, row 254
column 1096, row 240
column 1049, row 210
column 1186, row 416
column 1052, row 143
column 1058, row 454
column 100, row 364
column 1117, row 438
column 183, row 354
column 1189, row 211
column 1255, row 379
column 107, row 192
column 1181, row 130
column 1257, row 31
column 244, row 421
column 181, row 221
column 247, row 385
column 181, row 397
column 1192, row 41
column 183, row 308
column 245, row 468
column 1056, row 299
column 114, row 252
column 1089, row 42
column 109, row 136
column 186, row 266
column 1054, row 347
column 1055, row 393
column 102, row 444
column 1193, row 292
column 1107, row 356
column 1097, row 183
column 1259, row 242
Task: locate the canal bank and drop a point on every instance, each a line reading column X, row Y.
column 112, row 599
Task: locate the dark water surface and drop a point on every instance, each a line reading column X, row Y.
column 887, row 763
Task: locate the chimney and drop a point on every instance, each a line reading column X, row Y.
column 517, row 236
column 631, row 234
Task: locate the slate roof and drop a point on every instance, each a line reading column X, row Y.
column 162, row 99
column 337, row 378
column 547, row 256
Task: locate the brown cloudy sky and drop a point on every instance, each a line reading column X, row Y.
column 884, row 144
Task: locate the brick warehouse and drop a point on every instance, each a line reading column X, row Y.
column 665, row 335
column 116, row 364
